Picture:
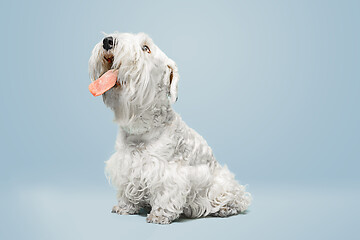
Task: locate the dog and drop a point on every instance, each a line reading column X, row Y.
column 160, row 163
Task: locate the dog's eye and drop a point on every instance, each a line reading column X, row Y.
column 146, row 48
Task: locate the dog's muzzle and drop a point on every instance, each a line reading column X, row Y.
column 108, row 43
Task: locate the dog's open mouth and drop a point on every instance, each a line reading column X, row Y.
column 107, row 80
column 109, row 59
column 104, row 83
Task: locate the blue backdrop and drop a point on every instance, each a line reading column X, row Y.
column 273, row 86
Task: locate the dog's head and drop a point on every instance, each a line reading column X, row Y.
column 145, row 74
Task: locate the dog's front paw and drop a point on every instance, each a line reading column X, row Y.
column 226, row 212
column 151, row 218
column 124, row 210
column 160, row 216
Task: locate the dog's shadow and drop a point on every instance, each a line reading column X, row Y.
column 182, row 219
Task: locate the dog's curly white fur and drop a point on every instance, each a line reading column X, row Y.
column 160, row 163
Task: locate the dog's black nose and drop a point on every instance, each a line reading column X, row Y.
column 108, row 43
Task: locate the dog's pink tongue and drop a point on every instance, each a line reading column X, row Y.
column 103, row 83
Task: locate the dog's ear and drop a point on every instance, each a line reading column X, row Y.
column 173, row 80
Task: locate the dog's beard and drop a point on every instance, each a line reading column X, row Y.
column 133, row 96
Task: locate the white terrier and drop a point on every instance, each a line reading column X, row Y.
column 160, row 163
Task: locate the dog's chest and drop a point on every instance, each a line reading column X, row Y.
column 140, row 165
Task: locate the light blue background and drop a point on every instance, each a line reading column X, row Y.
column 273, row 86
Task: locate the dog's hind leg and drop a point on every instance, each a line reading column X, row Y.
column 227, row 196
